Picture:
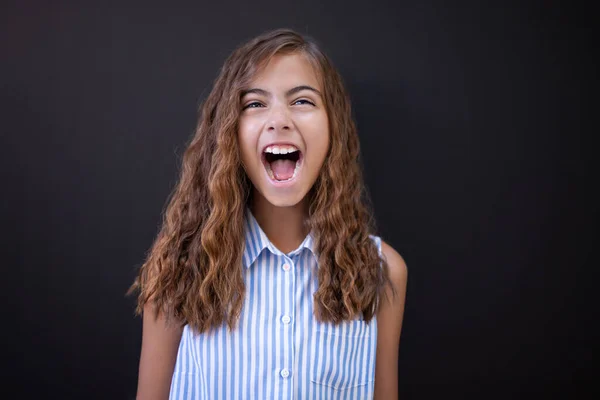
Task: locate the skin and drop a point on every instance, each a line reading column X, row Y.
column 389, row 326
column 274, row 114
column 160, row 342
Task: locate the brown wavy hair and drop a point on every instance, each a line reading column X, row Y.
column 193, row 271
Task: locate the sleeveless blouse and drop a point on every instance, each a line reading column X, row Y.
column 278, row 349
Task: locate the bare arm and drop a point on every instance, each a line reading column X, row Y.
column 160, row 342
column 389, row 326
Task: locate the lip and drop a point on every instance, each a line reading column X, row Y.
column 283, row 184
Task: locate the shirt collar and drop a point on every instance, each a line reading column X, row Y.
column 256, row 241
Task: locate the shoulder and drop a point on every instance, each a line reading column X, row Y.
column 389, row 325
column 397, row 266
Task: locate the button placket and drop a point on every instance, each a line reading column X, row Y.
column 286, row 318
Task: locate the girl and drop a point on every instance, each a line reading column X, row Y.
column 265, row 280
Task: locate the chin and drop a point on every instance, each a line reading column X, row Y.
column 282, row 200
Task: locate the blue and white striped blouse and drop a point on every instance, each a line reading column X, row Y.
column 278, row 350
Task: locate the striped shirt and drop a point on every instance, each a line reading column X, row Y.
column 278, row 349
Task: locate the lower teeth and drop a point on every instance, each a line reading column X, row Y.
column 270, row 172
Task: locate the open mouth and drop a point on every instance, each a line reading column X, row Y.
column 282, row 167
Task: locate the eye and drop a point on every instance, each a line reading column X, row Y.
column 254, row 104
column 305, row 102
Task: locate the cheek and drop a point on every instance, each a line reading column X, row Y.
column 246, row 140
column 322, row 139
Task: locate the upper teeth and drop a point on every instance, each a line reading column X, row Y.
column 275, row 149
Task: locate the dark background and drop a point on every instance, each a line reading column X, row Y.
column 472, row 124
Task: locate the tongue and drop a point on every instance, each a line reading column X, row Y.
column 283, row 169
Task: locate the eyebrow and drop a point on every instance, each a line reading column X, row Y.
column 289, row 93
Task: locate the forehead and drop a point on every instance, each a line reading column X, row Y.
column 284, row 70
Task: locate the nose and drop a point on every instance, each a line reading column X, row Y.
column 279, row 119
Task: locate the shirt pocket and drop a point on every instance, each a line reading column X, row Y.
column 344, row 357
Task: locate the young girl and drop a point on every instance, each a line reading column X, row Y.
column 265, row 281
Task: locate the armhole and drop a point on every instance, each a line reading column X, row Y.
column 377, row 241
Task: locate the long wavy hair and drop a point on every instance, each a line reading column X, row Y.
column 193, row 271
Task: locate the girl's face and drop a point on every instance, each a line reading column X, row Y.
column 283, row 130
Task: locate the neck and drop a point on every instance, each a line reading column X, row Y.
column 284, row 226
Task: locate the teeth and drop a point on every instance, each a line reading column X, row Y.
column 270, row 172
column 276, row 149
column 272, row 176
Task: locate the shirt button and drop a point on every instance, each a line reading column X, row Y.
column 286, row 267
column 286, row 319
column 285, row 373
